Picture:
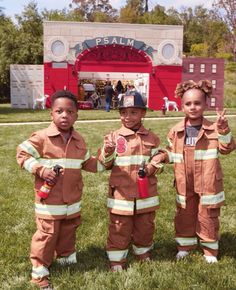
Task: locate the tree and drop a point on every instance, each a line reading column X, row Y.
column 226, row 9
column 133, row 11
column 95, row 10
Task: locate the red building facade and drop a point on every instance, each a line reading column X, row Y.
column 154, row 51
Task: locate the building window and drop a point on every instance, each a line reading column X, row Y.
column 59, row 65
column 202, row 68
column 213, row 82
column 213, row 68
column 213, row 102
column 191, row 67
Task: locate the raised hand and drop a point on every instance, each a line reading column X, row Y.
column 221, row 120
column 109, row 144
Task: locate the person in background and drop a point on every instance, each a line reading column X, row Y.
column 109, row 92
column 58, row 215
column 119, row 88
column 194, row 145
column 131, row 214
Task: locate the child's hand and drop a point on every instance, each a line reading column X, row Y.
column 109, row 145
column 49, row 175
column 221, row 121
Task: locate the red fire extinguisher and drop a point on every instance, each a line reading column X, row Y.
column 142, row 181
column 47, row 186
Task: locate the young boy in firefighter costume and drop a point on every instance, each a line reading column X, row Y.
column 131, row 217
column 58, row 214
column 194, row 145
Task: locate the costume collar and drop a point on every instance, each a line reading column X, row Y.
column 127, row 132
column 206, row 125
column 52, row 131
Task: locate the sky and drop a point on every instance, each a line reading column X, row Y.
column 12, row 7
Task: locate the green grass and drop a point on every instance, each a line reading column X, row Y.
column 91, row 272
column 11, row 115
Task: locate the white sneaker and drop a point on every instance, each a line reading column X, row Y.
column 210, row 259
column 116, row 268
column 67, row 260
column 182, row 254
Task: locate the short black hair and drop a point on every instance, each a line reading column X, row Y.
column 64, row 94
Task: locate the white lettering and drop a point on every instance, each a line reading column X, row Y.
column 106, row 40
column 114, row 40
column 98, row 40
column 122, row 43
column 130, row 42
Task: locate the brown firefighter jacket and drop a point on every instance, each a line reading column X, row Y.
column 45, row 149
column 131, row 149
column 208, row 176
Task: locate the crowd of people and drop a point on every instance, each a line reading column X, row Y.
column 194, row 145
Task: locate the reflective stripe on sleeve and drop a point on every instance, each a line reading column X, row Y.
column 225, row 138
column 154, row 151
column 175, row 157
column 130, row 160
column 39, row 272
column 108, row 158
column 29, row 164
column 46, row 209
column 64, row 162
column 186, row 241
column 117, row 256
column 181, row 199
column 210, row 245
column 205, row 154
column 100, row 167
column 141, row 251
column 87, row 156
column 212, row 199
column 120, row 204
column 29, row 148
column 147, row 202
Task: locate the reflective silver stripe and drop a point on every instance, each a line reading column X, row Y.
column 64, row 162
column 205, row 154
column 212, row 199
column 120, row 204
column 117, row 256
column 170, row 143
column 186, row 241
column 29, row 148
column 100, row 167
column 87, row 156
column 39, row 272
column 181, row 199
column 141, row 251
column 147, row 202
column 29, row 164
column 46, row 209
column 68, row 260
column 175, row 157
column 130, row 160
column 225, row 138
column 154, row 151
column 108, row 158
column 211, row 245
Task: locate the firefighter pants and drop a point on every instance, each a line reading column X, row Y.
column 53, row 238
column 137, row 229
column 195, row 222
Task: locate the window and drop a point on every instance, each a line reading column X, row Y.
column 191, row 67
column 168, row 51
column 213, row 82
column 213, row 102
column 59, row 65
column 213, row 68
column 202, row 68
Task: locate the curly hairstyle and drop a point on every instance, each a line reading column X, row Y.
column 64, row 94
column 204, row 85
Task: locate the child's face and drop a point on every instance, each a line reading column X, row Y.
column 194, row 104
column 131, row 118
column 64, row 114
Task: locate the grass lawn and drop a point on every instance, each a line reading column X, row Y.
column 91, row 272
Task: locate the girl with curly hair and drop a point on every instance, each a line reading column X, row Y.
column 194, row 144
